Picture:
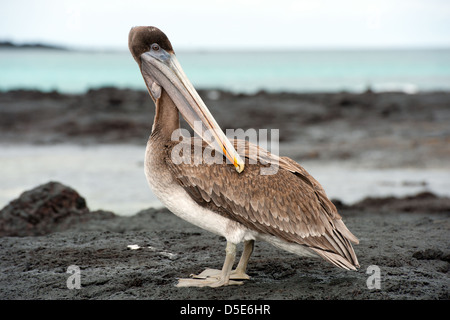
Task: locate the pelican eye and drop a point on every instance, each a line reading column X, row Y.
column 155, row 47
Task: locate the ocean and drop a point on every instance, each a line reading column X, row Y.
column 247, row 72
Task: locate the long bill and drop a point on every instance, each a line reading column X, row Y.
column 164, row 71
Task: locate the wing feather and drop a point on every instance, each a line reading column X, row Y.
column 290, row 204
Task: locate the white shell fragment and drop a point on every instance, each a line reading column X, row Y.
column 133, row 247
column 163, row 253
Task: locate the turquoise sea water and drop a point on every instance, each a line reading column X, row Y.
column 299, row 71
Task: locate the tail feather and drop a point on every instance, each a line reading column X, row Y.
column 337, row 259
column 338, row 250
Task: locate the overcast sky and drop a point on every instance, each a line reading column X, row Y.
column 231, row 24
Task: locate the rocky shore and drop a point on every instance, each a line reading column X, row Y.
column 50, row 228
column 378, row 129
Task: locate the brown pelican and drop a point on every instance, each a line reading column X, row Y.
column 288, row 209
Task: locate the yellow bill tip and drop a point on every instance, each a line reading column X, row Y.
column 239, row 166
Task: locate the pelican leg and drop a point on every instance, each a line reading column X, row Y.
column 239, row 272
column 222, row 280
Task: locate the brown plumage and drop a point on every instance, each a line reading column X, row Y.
column 289, row 204
column 141, row 38
column 232, row 198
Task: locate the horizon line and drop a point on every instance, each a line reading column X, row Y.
column 11, row 45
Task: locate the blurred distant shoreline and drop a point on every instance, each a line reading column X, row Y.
column 391, row 129
column 7, row 44
column 36, row 45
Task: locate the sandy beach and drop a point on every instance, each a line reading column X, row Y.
column 406, row 237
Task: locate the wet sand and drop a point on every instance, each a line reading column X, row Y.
column 407, row 239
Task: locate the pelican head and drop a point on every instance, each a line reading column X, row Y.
column 161, row 70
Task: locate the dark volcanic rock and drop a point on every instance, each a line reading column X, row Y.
column 47, row 208
column 410, row 248
column 431, row 254
column 422, row 202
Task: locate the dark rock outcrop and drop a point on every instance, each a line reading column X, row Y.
column 47, row 208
